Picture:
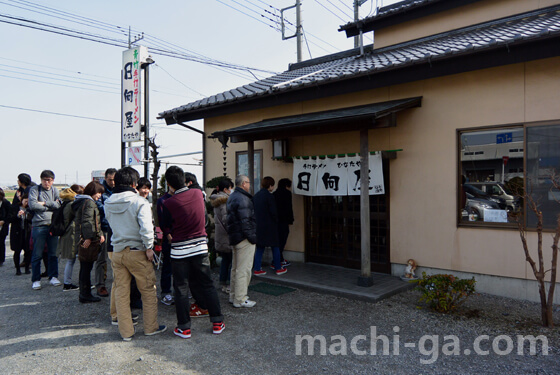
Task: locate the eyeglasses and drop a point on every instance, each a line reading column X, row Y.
column 247, row 182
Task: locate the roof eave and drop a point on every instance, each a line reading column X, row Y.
column 499, row 55
column 377, row 23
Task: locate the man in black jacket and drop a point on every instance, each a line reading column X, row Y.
column 242, row 236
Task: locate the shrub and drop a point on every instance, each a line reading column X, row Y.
column 444, row 293
column 213, row 183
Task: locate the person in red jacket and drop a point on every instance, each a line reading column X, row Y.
column 184, row 218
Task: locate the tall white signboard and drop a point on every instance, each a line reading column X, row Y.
column 131, row 94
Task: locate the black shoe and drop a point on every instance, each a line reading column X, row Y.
column 18, row 272
column 27, row 272
column 89, row 299
column 68, row 287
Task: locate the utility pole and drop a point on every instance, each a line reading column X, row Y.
column 356, row 18
column 298, row 29
column 298, row 35
column 357, row 4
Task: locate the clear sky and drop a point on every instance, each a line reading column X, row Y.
column 43, row 72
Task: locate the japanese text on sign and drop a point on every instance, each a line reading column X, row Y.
column 336, row 177
column 131, row 97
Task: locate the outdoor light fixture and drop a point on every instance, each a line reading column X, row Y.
column 279, row 149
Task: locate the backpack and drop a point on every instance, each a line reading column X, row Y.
column 57, row 227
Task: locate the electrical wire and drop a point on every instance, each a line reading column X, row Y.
column 115, row 84
column 330, row 11
column 105, row 84
column 306, row 42
column 120, row 42
column 123, row 44
column 58, row 84
column 169, row 74
column 59, row 114
column 248, row 15
column 340, row 10
column 54, row 68
column 346, row 5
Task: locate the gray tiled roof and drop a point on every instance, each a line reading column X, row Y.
column 402, row 6
column 504, row 32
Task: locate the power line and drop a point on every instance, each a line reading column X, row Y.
column 121, row 43
column 340, row 10
column 61, row 85
column 346, row 5
column 153, row 125
column 330, row 11
column 306, row 42
column 59, row 114
column 268, row 5
column 276, row 29
column 115, row 82
column 169, row 74
column 106, row 85
column 248, row 15
column 53, row 68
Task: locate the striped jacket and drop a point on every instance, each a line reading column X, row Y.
column 183, row 216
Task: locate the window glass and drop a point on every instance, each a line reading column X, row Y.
column 491, row 163
column 543, row 167
column 242, row 166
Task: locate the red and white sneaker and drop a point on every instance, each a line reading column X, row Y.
column 218, row 328
column 182, row 333
column 281, row 271
column 197, row 312
column 259, row 272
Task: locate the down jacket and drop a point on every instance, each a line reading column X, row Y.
column 68, row 242
column 241, row 223
column 221, row 240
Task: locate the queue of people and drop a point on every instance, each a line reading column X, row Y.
column 114, row 220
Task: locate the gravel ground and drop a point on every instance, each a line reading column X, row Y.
column 50, row 332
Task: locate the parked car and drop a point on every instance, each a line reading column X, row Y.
column 477, row 193
column 498, row 190
column 476, row 206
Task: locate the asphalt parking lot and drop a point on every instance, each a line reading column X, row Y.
column 50, row 332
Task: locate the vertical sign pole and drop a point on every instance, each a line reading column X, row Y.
column 146, row 120
column 123, row 149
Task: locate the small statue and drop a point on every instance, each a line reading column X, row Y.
column 410, row 268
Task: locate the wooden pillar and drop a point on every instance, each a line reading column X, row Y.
column 251, row 164
column 365, row 279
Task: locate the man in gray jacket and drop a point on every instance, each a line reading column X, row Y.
column 43, row 200
column 130, row 218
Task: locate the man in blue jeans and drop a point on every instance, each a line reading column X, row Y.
column 43, row 200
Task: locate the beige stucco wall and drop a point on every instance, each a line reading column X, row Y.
column 478, row 12
column 423, row 191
